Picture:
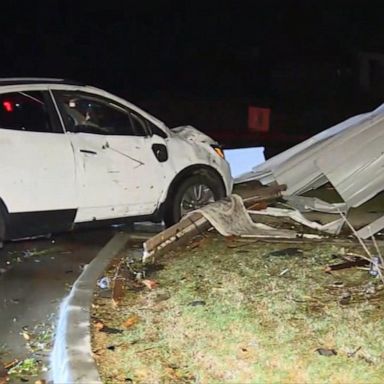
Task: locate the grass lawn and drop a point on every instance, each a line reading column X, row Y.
column 236, row 311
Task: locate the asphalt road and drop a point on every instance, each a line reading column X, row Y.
column 35, row 275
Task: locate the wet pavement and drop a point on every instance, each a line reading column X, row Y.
column 35, row 275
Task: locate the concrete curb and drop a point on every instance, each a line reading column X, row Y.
column 71, row 358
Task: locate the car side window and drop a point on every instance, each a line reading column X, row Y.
column 140, row 125
column 145, row 126
column 24, row 111
column 87, row 113
column 156, row 130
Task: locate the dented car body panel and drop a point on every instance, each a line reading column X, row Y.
column 65, row 148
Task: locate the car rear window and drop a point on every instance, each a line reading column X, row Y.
column 24, row 111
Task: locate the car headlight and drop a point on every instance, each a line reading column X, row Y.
column 218, row 150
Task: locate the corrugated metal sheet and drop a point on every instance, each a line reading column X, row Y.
column 350, row 155
column 297, row 167
column 371, row 228
column 354, row 162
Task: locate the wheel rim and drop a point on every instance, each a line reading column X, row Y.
column 195, row 197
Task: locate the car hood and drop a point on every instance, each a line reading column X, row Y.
column 189, row 133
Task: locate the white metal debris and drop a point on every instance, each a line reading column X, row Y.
column 291, row 161
column 371, row 228
column 349, row 155
column 308, row 204
column 230, row 218
column 333, row 227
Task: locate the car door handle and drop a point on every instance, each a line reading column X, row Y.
column 88, row 151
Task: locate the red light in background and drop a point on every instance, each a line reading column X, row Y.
column 258, row 119
column 8, row 106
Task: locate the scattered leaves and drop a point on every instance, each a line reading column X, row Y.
column 11, row 364
column 26, row 335
column 98, row 325
column 150, row 284
column 29, row 366
column 101, row 327
column 130, row 322
column 118, row 290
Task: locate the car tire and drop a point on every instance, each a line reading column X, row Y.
column 209, row 187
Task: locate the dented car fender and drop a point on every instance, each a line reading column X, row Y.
column 190, row 146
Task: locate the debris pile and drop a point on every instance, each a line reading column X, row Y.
column 230, row 217
column 346, row 159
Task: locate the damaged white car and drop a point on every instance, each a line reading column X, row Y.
column 72, row 154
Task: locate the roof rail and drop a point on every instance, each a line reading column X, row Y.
column 36, row 80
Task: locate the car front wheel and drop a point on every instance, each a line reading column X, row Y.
column 193, row 193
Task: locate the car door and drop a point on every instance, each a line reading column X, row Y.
column 36, row 165
column 119, row 174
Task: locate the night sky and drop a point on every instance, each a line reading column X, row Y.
column 159, row 48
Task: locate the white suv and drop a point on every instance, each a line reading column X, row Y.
column 73, row 154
